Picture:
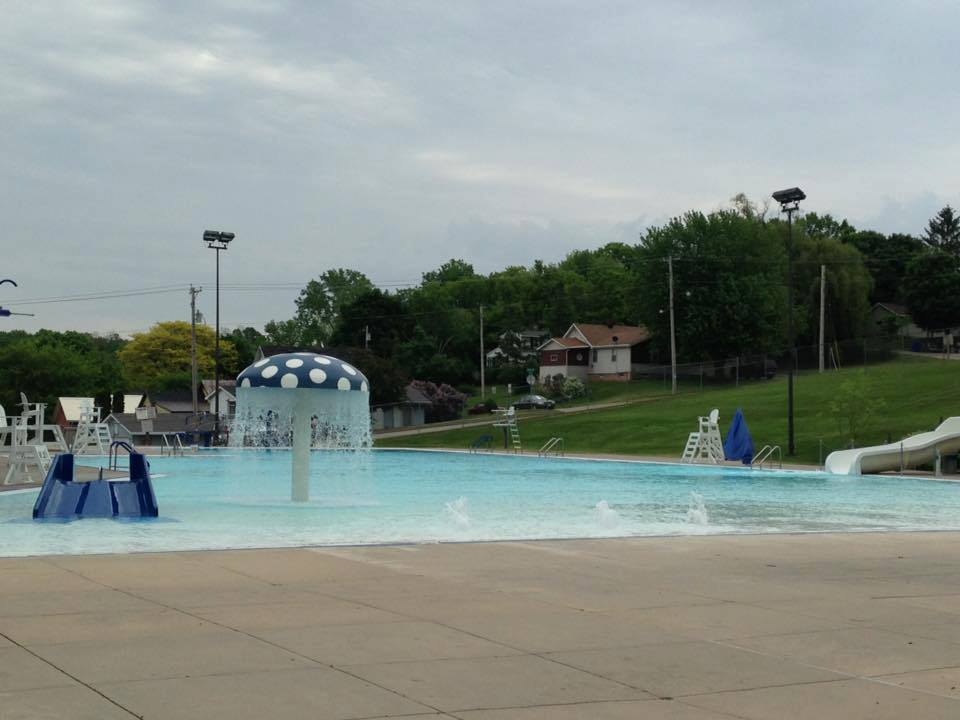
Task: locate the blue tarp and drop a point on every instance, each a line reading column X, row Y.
column 739, row 442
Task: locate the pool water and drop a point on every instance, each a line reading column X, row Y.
column 240, row 499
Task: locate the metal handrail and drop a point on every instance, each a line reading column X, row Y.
column 766, row 452
column 113, row 461
column 555, row 444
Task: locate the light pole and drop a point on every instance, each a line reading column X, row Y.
column 789, row 200
column 217, row 240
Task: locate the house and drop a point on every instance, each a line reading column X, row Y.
column 408, row 413
column 150, row 431
column 889, row 318
column 596, row 352
column 228, row 397
column 517, row 346
column 170, row 401
column 68, row 410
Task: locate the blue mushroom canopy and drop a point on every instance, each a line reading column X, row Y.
column 304, row 370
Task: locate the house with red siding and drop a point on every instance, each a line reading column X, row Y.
column 591, row 351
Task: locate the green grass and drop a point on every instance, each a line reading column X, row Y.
column 915, row 393
column 597, row 392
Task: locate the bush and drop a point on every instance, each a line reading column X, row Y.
column 446, row 402
column 553, row 386
column 573, row 388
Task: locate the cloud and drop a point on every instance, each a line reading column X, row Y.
column 390, row 137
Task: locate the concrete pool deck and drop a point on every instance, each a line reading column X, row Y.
column 682, row 628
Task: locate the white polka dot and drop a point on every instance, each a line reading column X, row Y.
column 245, row 382
column 294, row 363
column 318, row 376
column 270, row 371
column 343, row 384
column 288, row 381
column 363, row 387
column 349, row 369
column 261, row 363
column 302, row 353
column 322, row 360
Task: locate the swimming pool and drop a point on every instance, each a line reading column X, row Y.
column 240, row 499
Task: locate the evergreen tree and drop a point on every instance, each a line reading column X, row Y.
column 943, row 231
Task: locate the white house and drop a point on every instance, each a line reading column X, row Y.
column 595, row 352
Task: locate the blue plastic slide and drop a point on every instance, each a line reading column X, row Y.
column 63, row 497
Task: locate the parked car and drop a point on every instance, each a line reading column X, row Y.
column 534, row 402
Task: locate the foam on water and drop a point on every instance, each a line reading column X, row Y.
column 241, row 498
column 697, row 511
column 459, row 512
column 606, row 516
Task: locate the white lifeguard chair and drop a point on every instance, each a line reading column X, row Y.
column 32, row 420
column 29, row 459
column 508, row 421
column 93, row 436
column 706, row 444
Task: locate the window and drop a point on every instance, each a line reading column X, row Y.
column 594, row 356
column 554, row 357
column 613, row 355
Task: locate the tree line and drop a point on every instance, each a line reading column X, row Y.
column 730, row 298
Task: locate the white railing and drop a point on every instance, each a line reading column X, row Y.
column 553, row 445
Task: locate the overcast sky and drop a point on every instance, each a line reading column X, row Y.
column 391, row 136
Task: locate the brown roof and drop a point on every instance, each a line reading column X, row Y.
column 895, row 308
column 569, row 342
column 606, row 335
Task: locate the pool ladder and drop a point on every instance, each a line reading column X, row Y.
column 766, row 455
column 553, row 445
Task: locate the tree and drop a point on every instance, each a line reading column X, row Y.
column 854, row 405
column 51, row 364
column 450, row 271
column 847, row 291
column 246, row 341
column 943, row 231
column 932, row 290
column 729, row 285
column 160, row 359
column 318, row 308
column 383, row 315
column 886, row 257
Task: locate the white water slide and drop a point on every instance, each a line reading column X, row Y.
column 922, row 449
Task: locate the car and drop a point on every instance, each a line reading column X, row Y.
column 534, row 402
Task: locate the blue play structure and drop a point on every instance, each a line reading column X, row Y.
column 739, row 442
column 63, row 497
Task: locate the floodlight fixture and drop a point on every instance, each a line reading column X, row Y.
column 790, row 195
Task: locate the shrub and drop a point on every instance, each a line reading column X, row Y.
column 573, row 388
column 446, row 402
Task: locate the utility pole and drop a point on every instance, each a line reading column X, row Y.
column 483, row 361
column 823, row 295
column 194, row 291
column 673, row 333
column 366, row 337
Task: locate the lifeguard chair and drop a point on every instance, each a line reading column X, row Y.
column 706, row 444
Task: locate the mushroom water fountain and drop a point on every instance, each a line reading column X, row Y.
column 301, row 401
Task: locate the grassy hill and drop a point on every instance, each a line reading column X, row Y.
column 913, row 393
